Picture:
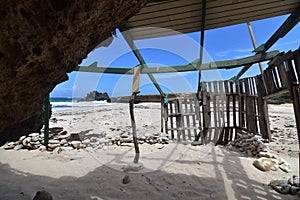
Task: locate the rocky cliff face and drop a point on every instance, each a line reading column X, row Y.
column 40, row 41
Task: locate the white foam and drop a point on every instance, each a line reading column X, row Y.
column 59, row 106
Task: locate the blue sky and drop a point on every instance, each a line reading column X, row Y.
column 220, row 44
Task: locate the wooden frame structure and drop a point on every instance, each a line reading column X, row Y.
column 226, row 107
column 220, row 108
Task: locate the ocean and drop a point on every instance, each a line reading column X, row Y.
column 60, row 104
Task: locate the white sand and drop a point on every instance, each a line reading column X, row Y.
column 174, row 171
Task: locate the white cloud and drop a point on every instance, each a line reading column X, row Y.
column 230, row 51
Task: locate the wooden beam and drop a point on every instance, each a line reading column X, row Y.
column 227, row 64
column 127, row 36
column 287, row 25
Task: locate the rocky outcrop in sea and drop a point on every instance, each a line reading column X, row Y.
column 96, row 96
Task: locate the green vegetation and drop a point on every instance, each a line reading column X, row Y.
column 280, row 99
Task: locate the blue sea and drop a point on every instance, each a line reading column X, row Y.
column 61, row 104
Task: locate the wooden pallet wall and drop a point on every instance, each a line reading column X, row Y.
column 226, row 107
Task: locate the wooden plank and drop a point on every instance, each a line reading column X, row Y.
column 216, row 111
column 243, row 104
column 255, row 114
column 253, row 106
column 276, row 81
column 262, row 110
column 205, row 102
column 197, row 116
column 273, row 81
column 171, row 119
column 166, row 110
column 233, row 104
column 283, row 75
column 239, row 96
column 186, row 103
column 269, row 83
column 197, row 108
column 227, row 113
column 178, row 120
column 136, row 80
column 208, row 119
column 181, row 118
column 233, row 109
column 248, row 104
column 218, row 116
column 222, row 114
column 296, row 55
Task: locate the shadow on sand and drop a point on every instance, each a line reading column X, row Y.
column 230, row 181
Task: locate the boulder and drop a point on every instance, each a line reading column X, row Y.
column 265, row 164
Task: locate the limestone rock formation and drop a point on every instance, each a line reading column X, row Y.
column 40, row 42
column 96, row 96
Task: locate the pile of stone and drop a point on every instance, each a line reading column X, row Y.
column 287, row 185
column 249, row 143
column 58, row 138
column 61, row 140
column 154, row 138
column 269, row 161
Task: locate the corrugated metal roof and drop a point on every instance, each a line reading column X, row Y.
column 184, row 16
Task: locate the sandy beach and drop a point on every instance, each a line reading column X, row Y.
column 169, row 171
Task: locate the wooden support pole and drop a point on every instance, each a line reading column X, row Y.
column 46, row 120
column 287, row 25
column 255, row 46
column 133, row 124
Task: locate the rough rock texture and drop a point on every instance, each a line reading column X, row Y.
column 40, row 41
column 96, row 96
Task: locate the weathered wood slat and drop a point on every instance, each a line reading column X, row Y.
column 276, row 81
column 226, row 136
column 195, row 109
column 186, row 102
column 296, row 55
column 171, row 119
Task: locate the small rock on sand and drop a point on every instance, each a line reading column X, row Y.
column 18, row 147
column 126, row 179
column 265, row 164
column 43, row 195
column 285, row 167
column 76, row 144
column 9, row 145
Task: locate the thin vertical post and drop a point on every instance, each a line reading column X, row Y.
column 133, row 124
column 255, row 46
column 46, row 120
column 201, row 46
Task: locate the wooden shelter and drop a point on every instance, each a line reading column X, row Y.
column 219, row 109
column 185, row 16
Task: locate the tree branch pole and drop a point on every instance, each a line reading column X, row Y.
column 260, row 65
